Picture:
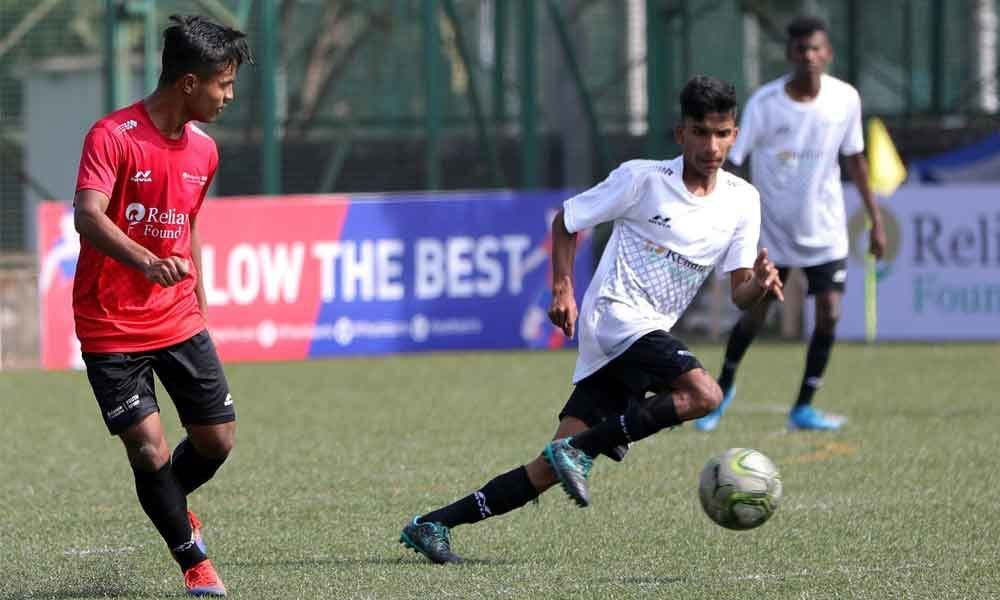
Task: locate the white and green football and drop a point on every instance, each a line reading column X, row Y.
column 740, row 488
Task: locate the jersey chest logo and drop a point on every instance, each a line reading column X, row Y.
column 660, row 221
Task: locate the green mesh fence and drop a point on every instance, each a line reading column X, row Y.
column 353, row 70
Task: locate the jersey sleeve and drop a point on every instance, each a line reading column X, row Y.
column 742, row 251
column 606, row 201
column 99, row 162
column 854, row 137
column 749, row 130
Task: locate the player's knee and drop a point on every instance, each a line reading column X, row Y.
column 705, row 396
column 216, row 443
column 148, row 456
column 826, row 321
column 216, row 446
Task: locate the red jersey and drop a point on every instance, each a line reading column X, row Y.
column 156, row 186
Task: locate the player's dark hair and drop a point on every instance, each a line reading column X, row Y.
column 193, row 44
column 804, row 25
column 705, row 94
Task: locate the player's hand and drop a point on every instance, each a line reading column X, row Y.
column 767, row 276
column 563, row 311
column 166, row 271
column 876, row 243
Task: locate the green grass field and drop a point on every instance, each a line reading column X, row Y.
column 333, row 457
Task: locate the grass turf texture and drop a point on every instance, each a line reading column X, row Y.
column 333, row 457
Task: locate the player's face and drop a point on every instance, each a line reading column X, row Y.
column 810, row 54
column 209, row 96
column 706, row 143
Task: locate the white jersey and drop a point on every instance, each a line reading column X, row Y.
column 664, row 243
column 794, row 163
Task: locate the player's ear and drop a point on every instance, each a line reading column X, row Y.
column 188, row 82
column 679, row 134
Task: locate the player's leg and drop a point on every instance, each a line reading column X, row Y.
column 429, row 533
column 826, row 283
column 540, row 474
column 196, row 459
column 691, row 395
column 683, row 391
column 123, row 386
column 742, row 335
column 160, row 495
column 192, row 374
column 198, row 456
column 740, row 338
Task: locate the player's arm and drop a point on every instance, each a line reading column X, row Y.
column 750, row 286
column 92, row 223
column 857, row 168
column 199, row 289
column 563, row 310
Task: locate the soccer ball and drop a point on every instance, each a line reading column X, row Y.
column 740, row 488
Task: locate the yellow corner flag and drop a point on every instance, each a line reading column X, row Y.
column 885, row 169
column 885, row 173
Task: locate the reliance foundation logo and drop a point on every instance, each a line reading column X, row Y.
column 157, row 223
column 135, row 212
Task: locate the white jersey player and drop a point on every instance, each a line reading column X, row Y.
column 795, row 129
column 674, row 221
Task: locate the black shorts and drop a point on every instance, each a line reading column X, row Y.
column 190, row 372
column 651, row 364
column 826, row 277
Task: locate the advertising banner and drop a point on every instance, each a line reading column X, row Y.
column 940, row 279
column 295, row 277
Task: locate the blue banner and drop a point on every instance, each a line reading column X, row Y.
column 441, row 272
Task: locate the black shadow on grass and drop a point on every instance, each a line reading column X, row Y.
column 344, row 562
column 306, row 562
column 478, row 562
column 643, row 580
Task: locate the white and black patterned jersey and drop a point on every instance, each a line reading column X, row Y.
column 664, row 243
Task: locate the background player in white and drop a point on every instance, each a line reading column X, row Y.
column 673, row 221
column 795, row 129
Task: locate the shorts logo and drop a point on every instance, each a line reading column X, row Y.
column 840, row 276
column 135, row 212
column 684, row 353
column 127, row 405
column 229, row 400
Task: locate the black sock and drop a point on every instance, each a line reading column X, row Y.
column 501, row 495
column 817, row 358
column 163, row 500
column 736, row 347
column 641, row 420
column 191, row 469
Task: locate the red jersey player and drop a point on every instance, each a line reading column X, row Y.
column 138, row 298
